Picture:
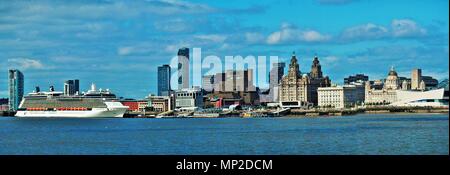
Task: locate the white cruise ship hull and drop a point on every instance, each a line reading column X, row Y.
column 101, row 113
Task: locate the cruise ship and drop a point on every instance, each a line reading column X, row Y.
column 94, row 103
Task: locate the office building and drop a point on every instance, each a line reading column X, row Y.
column 356, row 78
column 234, row 81
column 275, row 76
column 239, row 81
column 16, row 84
column 160, row 103
column 416, row 78
column 189, row 99
column 164, row 74
column 235, row 85
column 340, row 96
column 219, row 82
column 208, row 83
column 430, row 82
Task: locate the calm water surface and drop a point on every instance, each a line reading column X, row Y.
column 360, row 134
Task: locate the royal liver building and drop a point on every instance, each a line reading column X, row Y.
column 297, row 89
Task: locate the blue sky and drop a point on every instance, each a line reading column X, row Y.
column 119, row 44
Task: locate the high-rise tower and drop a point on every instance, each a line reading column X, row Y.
column 16, row 83
column 164, row 80
column 183, row 68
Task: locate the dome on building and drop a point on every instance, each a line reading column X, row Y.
column 392, row 72
column 392, row 81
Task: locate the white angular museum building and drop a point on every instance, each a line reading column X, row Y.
column 433, row 98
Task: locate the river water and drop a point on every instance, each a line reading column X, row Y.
column 364, row 134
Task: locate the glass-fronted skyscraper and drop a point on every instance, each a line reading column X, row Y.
column 164, row 80
column 16, row 84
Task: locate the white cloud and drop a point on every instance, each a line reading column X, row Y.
column 289, row 34
column 313, row 36
column 111, row 9
column 406, row 28
column 173, row 48
column 138, row 49
column 254, row 37
column 174, row 25
column 399, row 28
column 366, row 31
column 330, row 59
column 335, row 2
column 212, row 37
column 124, row 50
column 25, row 63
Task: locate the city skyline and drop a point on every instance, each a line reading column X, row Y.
column 122, row 51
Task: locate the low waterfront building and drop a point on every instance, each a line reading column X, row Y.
column 228, row 98
column 434, row 98
column 135, row 105
column 340, row 96
column 160, row 103
column 233, row 86
column 223, row 99
column 150, row 103
column 189, row 99
column 4, row 104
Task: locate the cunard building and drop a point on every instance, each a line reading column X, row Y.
column 297, row 90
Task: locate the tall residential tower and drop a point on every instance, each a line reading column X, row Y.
column 16, row 84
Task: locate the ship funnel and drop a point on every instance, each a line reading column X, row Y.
column 52, row 89
column 37, row 89
column 93, row 88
